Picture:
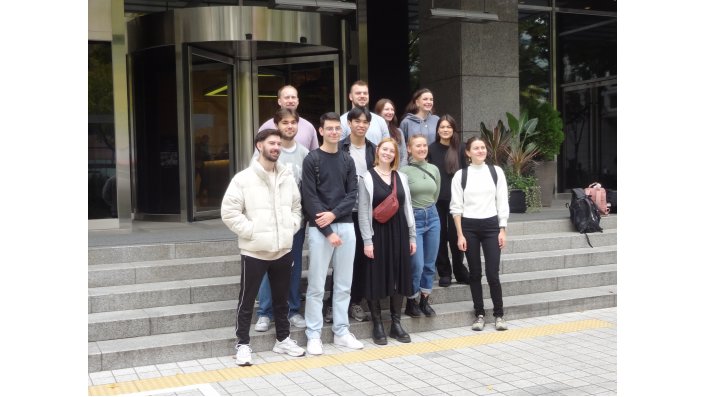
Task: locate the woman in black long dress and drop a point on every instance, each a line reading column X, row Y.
column 388, row 245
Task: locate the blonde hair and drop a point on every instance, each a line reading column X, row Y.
column 395, row 163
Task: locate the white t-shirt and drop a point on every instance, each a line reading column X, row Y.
column 306, row 134
column 358, row 155
column 377, row 131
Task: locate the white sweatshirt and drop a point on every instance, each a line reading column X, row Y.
column 481, row 199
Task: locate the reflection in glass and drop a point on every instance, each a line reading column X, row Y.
column 545, row 3
column 102, row 193
column 588, row 47
column 576, row 123
column 313, row 80
column 211, row 88
column 591, row 5
column 590, row 125
column 534, row 56
column 156, row 131
column 607, row 119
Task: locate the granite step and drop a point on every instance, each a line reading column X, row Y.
column 221, row 313
column 196, row 249
column 214, row 342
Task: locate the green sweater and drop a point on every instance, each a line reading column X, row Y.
column 424, row 190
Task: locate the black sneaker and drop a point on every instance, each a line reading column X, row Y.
column 444, row 281
column 357, row 312
column 425, row 307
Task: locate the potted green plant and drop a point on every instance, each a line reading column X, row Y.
column 524, row 192
column 509, row 149
column 520, row 160
column 548, row 140
column 497, row 140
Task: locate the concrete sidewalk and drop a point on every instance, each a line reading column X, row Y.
column 566, row 354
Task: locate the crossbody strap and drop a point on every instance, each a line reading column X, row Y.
column 422, row 169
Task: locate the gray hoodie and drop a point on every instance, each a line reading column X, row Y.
column 412, row 125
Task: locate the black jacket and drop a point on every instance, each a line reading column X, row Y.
column 369, row 150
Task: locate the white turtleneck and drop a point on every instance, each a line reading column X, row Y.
column 481, row 199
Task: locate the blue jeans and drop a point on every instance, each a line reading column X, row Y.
column 265, row 290
column 320, row 252
column 428, row 237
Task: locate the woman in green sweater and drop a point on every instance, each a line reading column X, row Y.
column 424, row 187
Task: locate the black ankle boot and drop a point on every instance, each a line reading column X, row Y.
column 425, row 307
column 412, row 308
column 396, row 331
column 378, row 336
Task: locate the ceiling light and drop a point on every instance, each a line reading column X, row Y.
column 324, row 6
column 464, row 15
column 469, row 16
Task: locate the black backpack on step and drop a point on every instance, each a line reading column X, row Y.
column 584, row 213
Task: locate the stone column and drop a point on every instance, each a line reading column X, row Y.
column 472, row 68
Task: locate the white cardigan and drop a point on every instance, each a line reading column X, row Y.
column 264, row 217
column 364, row 209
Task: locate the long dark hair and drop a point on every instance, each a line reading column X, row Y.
column 393, row 125
column 412, row 107
column 452, row 161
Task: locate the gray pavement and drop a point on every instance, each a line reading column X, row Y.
column 565, row 354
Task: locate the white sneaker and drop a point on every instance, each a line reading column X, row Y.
column 348, row 341
column 289, row 346
column 500, row 324
column 314, row 347
column 262, row 324
column 479, row 323
column 243, row 357
column 297, row 321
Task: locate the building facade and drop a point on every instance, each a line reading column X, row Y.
column 177, row 89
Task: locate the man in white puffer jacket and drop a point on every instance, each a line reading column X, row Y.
column 263, row 207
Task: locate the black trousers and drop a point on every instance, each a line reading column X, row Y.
column 483, row 232
column 253, row 270
column 449, row 236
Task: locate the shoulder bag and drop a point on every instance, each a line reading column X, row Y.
column 385, row 210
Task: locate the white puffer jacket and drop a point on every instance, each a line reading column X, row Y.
column 264, row 217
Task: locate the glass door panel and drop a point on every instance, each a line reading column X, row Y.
column 590, row 125
column 315, row 78
column 607, row 145
column 102, row 191
column 211, row 125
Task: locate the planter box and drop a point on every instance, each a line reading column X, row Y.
column 546, row 175
column 517, row 201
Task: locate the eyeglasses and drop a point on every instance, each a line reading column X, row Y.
column 331, row 129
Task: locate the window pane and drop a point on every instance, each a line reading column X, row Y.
column 592, row 5
column 588, row 47
column 534, row 55
column 101, row 132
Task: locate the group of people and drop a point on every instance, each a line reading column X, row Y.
column 382, row 203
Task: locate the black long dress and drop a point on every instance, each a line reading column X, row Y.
column 390, row 270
